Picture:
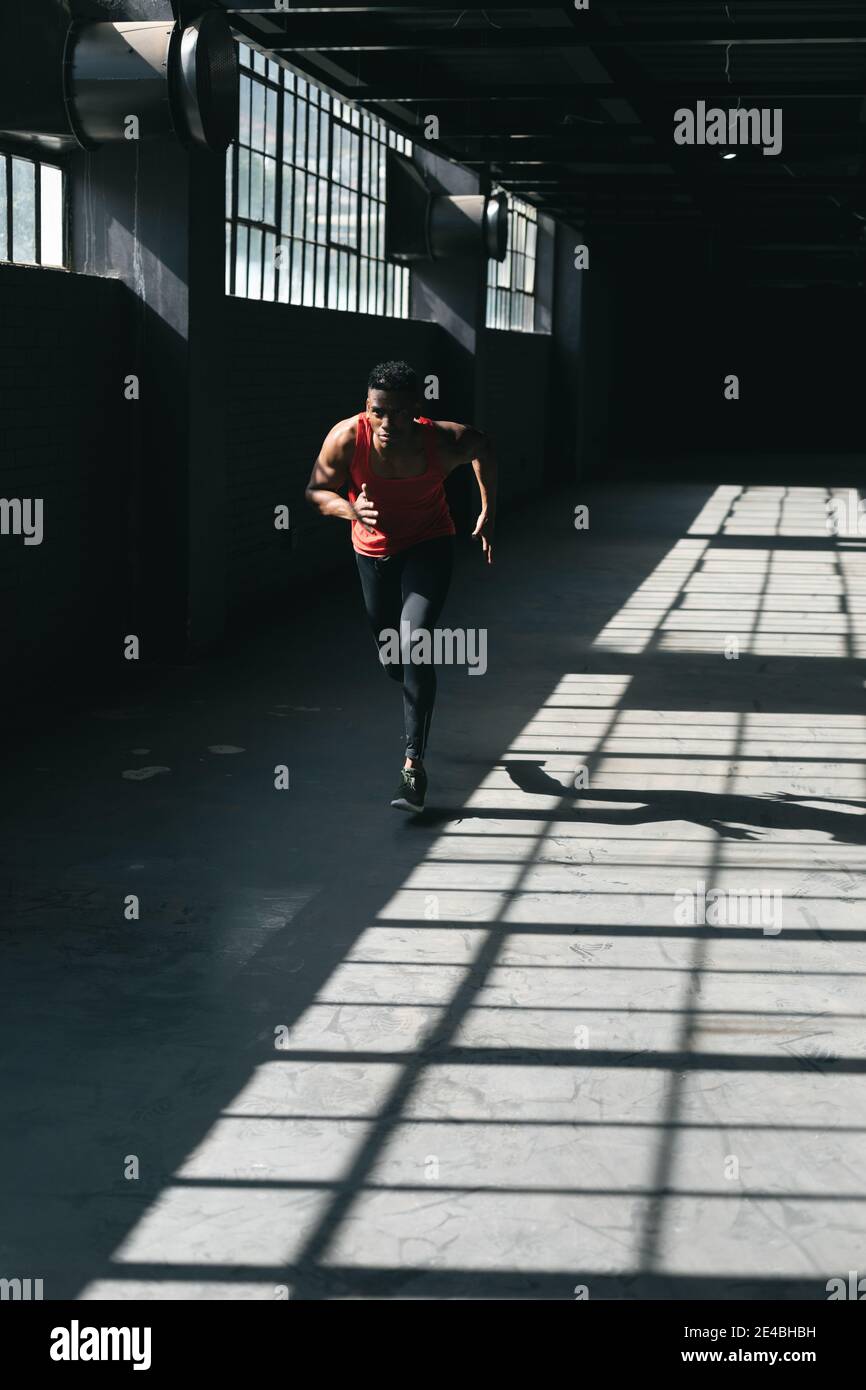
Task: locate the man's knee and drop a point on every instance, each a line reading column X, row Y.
column 394, row 669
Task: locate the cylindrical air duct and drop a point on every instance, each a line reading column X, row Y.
column 170, row 79
column 90, row 78
column 460, row 223
column 116, row 71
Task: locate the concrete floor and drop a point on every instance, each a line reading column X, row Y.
column 508, row 1068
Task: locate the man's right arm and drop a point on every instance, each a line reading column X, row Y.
column 331, row 473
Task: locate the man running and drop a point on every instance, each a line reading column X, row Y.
column 395, row 462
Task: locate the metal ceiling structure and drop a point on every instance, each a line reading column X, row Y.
column 574, row 109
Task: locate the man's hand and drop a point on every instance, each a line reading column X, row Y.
column 365, row 510
column 484, row 529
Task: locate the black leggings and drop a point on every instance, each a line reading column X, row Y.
column 409, row 587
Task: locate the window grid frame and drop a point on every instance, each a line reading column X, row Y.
column 347, row 277
column 510, row 306
column 8, row 156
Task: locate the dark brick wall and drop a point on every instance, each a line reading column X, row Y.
column 294, row 373
column 513, row 407
column 63, row 438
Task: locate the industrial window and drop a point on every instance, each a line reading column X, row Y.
column 31, row 211
column 511, row 283
column 305, row 198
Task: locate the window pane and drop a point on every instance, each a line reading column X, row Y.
column 243, row 182
column 289, row 128
column 270, row 190
column 363, row 269
column 269, row 275
column 241, row 261
column 259, row 61
column 300, row 132
column 332, row 279
column 257, row 186
column 228, row 258
column 353, row 283
column 365, row 227
column 257, row 120
column 347, row 217
column 313, row 142
column 320, row 276
column 310, row 227
column 23, row 210
column 323, row 143
column 244, row 127
column 322, row 219
column 309, row 274
column 300, row 203
column 285, row 275
column 271, row 133
column 286, row 214
column 52, row 215
column 254, row 286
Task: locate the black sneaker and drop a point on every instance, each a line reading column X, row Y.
column 412, row 789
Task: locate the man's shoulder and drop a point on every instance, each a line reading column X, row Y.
column 342, row 436
column 448, row 431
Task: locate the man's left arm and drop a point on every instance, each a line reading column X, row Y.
column 483, row 457
column 471, row 445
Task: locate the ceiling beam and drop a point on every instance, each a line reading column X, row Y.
column 427, row 7
column 325, row 32
column 818, row 183
column 425, row 90
column 396, row 8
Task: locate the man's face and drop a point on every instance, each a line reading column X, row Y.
column 391, row 415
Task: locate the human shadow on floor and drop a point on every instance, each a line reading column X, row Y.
column 728, row 815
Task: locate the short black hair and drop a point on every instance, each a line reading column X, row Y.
column 393, row 376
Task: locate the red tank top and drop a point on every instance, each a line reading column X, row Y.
column 410, row 509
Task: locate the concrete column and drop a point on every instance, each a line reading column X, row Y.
column 451, row 292
column 567, row 400
column 151, row 214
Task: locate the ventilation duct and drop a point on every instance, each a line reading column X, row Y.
column 421, row 225
column 174, row 80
